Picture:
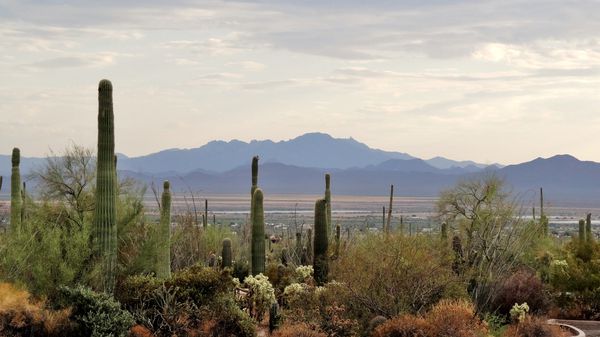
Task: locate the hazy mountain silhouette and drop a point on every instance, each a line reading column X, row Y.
column 563, row 177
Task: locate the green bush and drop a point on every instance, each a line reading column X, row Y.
column 95, row 314
column 229, row 320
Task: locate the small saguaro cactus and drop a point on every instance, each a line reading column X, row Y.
column 328, row 199
column 298, row 249
column 338, row 230
column 320, row 258
column 205, row 217
column 226, row 253
column 105, row 225
column 588, row 228
column 258, row 233
column 163, row 269
column 444, row 231
column 309, row 245
column 389, row 216
column 16, row 199
column 581, row 230
column 274, row 317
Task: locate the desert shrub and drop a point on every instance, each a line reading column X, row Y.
column 45, row 253
column 241, row 269
column 533, row 327
column 136, row 289
column 200, row 284
column 522, row 286
column 95, row 314
column 280, row 277
column 20, row 316
column 445, row 319
column 140, row 331
column 298, row 330
column 228, row 320
column 455, row 319
column 374, row 323
column 403, row 326
column 381, row 272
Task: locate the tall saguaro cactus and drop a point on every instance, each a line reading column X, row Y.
column 328, row 199
column 258, row 233
column 163, row 269
column 16, row 199
column 389, row 217
column 106, row 188
column 226, row 254
column 320, row 259
column 338, row 232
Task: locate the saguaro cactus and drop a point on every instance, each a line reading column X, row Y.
column 328, row 199
column 581, row 230
column 320, row 260
column 106, row 188
column 0, row 183
column 226, row 253
column 258, row 233
column 254, row 183
column 444, row 231
column 338, row 232
column 16, row 199
column 389, row 217
column 588, row 228
column 163, row 269
column 205, row 217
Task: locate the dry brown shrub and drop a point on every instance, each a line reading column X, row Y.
column 534, row 327
column 455, row 319
column 298, row 330
column 140, row 331
column 403, row 326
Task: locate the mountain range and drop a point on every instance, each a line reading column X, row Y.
column 298, row 166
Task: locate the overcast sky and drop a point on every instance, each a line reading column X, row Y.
column 492, row 81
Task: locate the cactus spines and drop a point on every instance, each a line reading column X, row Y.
column 588, row 228
column 328, row 198
column 226, row 253
column 16, row 199
column 320, row 259
column 258, row 233
column 581, row 230
column 163, row 269
column 105, row 229
column 444, row 231
column 389, row 218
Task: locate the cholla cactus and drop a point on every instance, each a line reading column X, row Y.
column 519, row 312
column 304, row 272
column 261, row 295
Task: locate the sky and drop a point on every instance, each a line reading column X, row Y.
column 491, row 81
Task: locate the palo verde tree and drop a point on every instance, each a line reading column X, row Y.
column 492, row 232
